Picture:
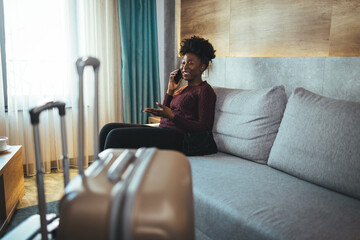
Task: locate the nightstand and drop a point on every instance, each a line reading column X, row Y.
column 12, row 188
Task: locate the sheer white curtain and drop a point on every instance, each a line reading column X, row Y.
column 43, row 40
column 99, row 33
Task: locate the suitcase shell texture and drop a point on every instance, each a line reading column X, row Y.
column 151, row 199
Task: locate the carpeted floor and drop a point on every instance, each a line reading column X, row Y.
column 23, row 213
column 53, row 188
column 28, row 206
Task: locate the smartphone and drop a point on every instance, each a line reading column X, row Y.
column 178, row 76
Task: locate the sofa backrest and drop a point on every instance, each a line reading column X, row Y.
column 319, row 141
column 247, row 121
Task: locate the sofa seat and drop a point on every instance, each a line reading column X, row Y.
column 239, row 199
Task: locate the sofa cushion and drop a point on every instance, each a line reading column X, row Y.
column 239, row 199
column 319, row 141
column 246, row 121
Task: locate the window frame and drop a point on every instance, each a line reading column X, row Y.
column 3, row 53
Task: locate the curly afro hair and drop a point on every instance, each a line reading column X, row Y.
column 198, row 46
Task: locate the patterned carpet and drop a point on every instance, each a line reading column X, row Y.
column 54, row 189
column 22, row 214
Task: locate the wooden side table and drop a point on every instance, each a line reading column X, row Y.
column 12, row 188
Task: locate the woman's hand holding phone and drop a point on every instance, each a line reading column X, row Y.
column 164, row 111
column 174, row 81
column 178, row 76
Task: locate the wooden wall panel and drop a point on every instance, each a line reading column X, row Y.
column 275, row 28
column 209, row 19
column 345, row 28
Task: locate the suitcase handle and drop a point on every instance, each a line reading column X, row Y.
column 35, row 116
column 81, row 63
column 121, row 164
column 35, row 120
column 35, row 112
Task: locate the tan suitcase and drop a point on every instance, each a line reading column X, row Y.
column 145, row 194
column 127, row 194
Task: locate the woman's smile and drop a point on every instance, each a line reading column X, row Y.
column 186, row 74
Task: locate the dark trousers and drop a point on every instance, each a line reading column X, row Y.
column 122, row 135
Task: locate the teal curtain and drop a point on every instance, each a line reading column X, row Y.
column 140, row 60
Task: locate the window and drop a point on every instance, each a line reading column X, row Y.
column 39, row 49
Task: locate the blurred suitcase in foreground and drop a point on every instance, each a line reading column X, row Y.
column 145, row 194
column 126, row 194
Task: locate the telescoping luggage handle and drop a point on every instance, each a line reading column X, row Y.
column 35, row 119
column 81, row 63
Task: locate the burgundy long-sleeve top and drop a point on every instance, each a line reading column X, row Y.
column 193, row 107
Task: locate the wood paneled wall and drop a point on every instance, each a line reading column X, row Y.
column 275, row 28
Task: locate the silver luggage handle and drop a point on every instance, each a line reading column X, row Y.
column 90, row 61
column 122, row 162
column 35, row 120
column 35, row 112
column 81, row 63
column 120, row 165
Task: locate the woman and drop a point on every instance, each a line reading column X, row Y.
column 187, row 110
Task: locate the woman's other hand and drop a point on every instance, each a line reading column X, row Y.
column 163, row 111
column 172, row 85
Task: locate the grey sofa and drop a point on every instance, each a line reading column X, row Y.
column 286, row 168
